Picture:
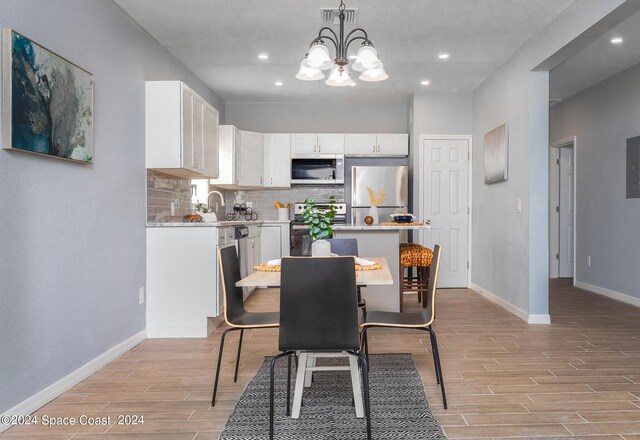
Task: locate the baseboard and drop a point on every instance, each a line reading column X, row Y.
column 619, row 296
column 45, row 396
column 526, row 317
column 178, row 331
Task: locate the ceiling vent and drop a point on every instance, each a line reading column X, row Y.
column 331, row 16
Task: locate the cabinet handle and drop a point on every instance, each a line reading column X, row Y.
column 378, row 148
column 315, row 148
column 319, row 148
column 271, row 182
column 374, row 148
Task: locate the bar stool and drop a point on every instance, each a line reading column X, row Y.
column 414, row 255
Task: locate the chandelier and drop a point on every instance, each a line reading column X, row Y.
column 318, row 58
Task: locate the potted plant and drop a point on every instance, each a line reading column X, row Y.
column 208, row 214
column 319, row 222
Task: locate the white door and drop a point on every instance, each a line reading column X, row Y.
column 565, row 268
column 393, row 144
column 360, row 144
column 445, row 189
column 330, row 143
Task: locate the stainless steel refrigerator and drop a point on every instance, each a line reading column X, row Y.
column 394, row 180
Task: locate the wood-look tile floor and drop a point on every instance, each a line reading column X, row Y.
column 577, row 378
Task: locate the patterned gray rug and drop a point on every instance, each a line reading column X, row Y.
column 399, row 408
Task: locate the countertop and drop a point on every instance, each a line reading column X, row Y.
column 363, row 227
column 215, row 224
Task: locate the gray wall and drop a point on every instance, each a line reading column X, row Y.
column 319, row 117
column 607, row 224
column 510, row 250
column 72, row 240
column 435, row 113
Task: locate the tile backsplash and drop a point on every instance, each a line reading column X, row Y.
column 163, row 189
column 263, row 200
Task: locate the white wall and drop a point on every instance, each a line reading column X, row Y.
column 607, row 224
column 435, row 113
column 319, row 117
column 510, row 250
column 72, row 237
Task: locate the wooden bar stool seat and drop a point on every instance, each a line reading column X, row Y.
column 414, row 255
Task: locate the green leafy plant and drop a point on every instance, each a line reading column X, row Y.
column 201, row 207
column 319, row 220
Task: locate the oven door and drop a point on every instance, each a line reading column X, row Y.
column 300, row 241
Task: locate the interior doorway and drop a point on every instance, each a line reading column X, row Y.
column 444, row 194
column 562, row 209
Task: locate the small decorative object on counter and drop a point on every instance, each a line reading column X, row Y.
column 403, row 217
column 319, row 222
column 368, row 220
column 241, row 211
column 193, row 218
column 283, row 211
column 375, row 202
column 207, row 214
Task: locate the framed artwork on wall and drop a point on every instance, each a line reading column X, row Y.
column 496, row 155
column 47, row 101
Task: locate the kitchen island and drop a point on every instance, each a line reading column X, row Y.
column 384, row 241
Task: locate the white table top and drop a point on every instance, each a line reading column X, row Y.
column 380, row 276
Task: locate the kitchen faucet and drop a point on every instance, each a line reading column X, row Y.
column 215, row 192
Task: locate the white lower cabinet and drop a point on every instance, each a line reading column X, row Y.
column 275, row 241
column 183, row 296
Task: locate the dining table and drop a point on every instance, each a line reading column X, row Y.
column 375, row 277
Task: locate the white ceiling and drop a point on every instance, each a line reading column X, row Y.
column 219, row 40
column 598, row 61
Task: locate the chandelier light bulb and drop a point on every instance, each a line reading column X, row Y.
column 339, row 77
column 373, row 75
column 318, row 57
column 366, row 59
column 309, row 74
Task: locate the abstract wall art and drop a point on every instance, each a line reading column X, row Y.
column 47, row 101
column 496, row 155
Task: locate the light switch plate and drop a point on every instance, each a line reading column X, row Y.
column 519, row 206
column 141, row 295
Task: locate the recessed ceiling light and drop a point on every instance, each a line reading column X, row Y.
column 617, row 40
column 425, row 82
column 443, row 56
column 263, row 56
column 279, row 83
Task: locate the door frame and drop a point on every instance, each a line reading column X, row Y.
column 421, row 181
column 554, row 191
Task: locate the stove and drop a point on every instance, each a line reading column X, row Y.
column 300, row 238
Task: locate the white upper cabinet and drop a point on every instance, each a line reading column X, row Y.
column 229, row 137
column 376, row 144
column 180, row 131
column 277, row 160
column 317, row 143
column 249, row 156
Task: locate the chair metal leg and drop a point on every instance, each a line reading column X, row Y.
column 439, row 366
column 365, row 383
column 235, row 375
column 289, row 385
column 215, row 382
column 365, row 342
column 435, row 357
column 272, row 391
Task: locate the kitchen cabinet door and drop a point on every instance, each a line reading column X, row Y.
column 277, row 160
column 188, row 159
column 198, row 147
column 304, row 143
column 329, row 143
column 360, row 144
column 271, row 242
column 249, row 157
column 393, row 144
column 210, row 146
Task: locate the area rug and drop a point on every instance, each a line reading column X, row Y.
column 399, row 408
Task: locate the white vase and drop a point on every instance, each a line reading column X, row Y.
column 373, row 212
column 321, row 248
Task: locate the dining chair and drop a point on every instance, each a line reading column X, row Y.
column 319, row 314
column 235, row 315
column 417, row 321
column 349, row 247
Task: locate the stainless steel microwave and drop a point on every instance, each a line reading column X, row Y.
column 319, row 169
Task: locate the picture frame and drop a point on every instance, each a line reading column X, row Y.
column 496, row 155
column 47, row 102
